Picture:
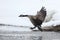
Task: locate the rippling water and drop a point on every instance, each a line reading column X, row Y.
column 5, row 35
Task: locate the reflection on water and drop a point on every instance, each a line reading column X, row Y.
column 34, row 38
column 20, row 37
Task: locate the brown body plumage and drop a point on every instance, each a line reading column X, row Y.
column 38, row 19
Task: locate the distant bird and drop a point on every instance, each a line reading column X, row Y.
column 38, row 19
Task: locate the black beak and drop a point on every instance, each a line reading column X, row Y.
column 20, row 16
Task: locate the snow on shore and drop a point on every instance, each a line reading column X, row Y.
column 11, row 28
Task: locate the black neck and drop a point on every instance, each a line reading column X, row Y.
column 23, row 16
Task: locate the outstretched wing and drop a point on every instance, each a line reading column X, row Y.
column 42, row 11
column 41, row 14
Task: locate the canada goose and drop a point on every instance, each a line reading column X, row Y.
column 38, row 19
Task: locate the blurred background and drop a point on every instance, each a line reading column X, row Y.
column 11, row 9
